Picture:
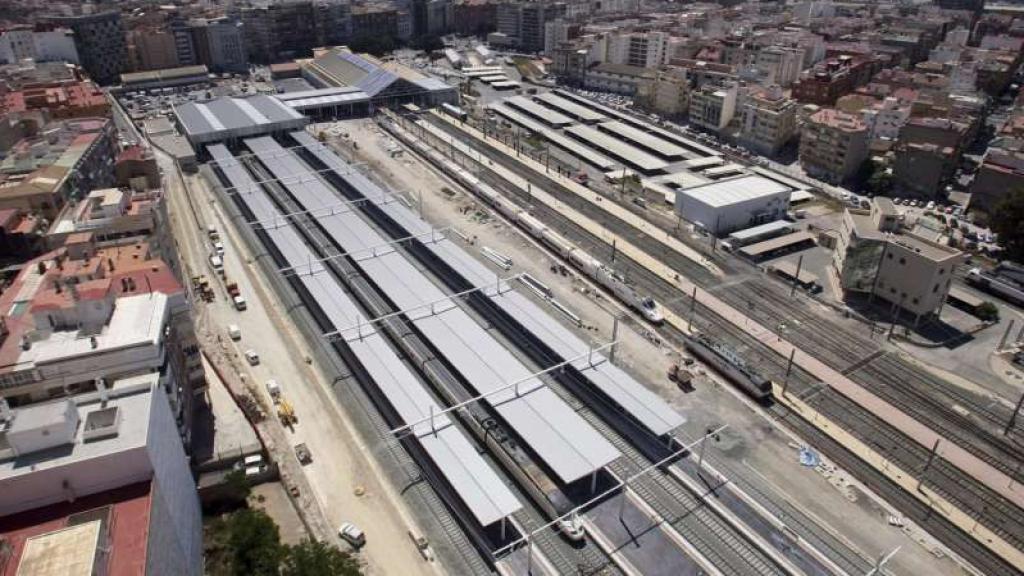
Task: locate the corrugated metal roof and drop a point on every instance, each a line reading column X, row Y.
column 734, row 190
column 580, row 151
column 581, row 113
column 560, row 437
column 477, row 484
column 225, row 117
column 631, row 155
column 546, row 115
column 648, row 142
column 761, row 230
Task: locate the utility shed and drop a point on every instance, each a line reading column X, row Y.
column 728, row 205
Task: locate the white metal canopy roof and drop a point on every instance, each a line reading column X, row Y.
column 479, row 487
column 645, row 406
column 561, row 438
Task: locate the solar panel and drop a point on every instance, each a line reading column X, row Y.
column 477, row 484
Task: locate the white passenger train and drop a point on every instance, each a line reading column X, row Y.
column 583, row 261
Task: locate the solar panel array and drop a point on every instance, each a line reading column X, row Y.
column 569, row 446
column 479, row 487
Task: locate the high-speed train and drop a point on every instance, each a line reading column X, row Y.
column 590, row 266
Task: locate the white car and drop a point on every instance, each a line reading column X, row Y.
column 351, row 533
column 252, row 357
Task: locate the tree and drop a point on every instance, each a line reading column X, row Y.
column 987, row 312
column 1007, row 220
column 237, row 487
column 315, row 558
column 244, row 543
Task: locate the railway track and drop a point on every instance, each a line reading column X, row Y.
column 697, row 522
column 943, row 478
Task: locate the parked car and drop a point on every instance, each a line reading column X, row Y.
column 252, row 357
column 352, row 534
column 234, row 332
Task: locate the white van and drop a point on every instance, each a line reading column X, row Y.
column 240, row 303
column 234, row 332
column 274, row 389
column 252, row 357
column 217, row 263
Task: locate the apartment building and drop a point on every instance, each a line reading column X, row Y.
column 59, row 100
column 667, row 93
column 876, row 258
column 100, row 43
column 640, row 49
column 833, row 145
column 768, row 120
column 713, row 107
column 1001, row 171
column 41, row 43
column 834, row 77
column 524, row 24
column 63, row 160
column 617, row 78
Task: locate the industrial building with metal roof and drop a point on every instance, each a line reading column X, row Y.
column 727, row 205
column 385, row 83
column 227, row 119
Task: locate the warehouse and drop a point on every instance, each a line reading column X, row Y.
column 229, row 119
column 728, row 205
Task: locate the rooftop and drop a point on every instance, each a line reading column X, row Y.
column 735, row 190
column 839, row 120
column 60, row 538
column 867, row 228
column 224, row 117
column 167, row 74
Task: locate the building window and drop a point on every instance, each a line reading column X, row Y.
column 903, row 261
column 890, row 256
column 935, row 289
column 914, row 300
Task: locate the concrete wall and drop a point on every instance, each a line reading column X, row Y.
column 176, row 545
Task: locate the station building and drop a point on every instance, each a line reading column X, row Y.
column 876, row 258
column 382, row 83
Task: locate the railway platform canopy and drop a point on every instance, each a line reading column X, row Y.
column 644, row 406
column 475, row 483
column 562, row 440
column 545, row 115
column 648, row 142
column 568, row 144
column 570, row 108
column 227, row 118
column 631, row 156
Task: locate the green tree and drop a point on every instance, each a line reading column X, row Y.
column 315, row 558
column 1007, row 220
column 237, row 487
column 244, row 543
column 987, row 311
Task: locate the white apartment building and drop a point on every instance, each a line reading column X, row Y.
column 640, row 49
column 43, row 45
column 779, row 65
column 99, row 480
column 886, row 118
column 713, row 107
